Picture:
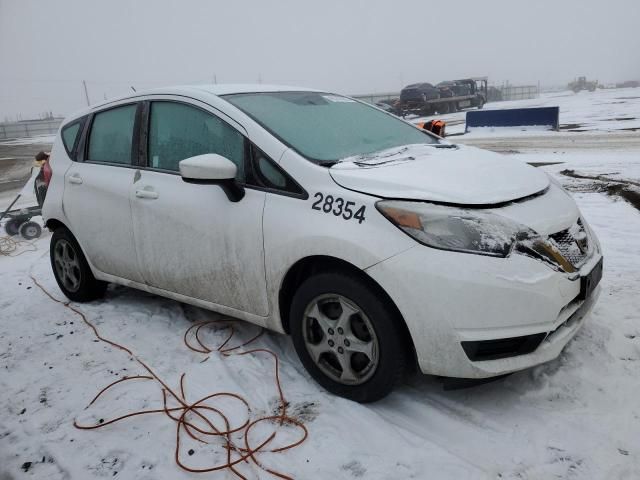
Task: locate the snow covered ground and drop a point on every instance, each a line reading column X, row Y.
column 36, row 140
column 599, row 111
column 577, row 417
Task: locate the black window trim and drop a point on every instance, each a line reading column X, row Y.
column 86, row 137
column 251, row 168
column 143, row 150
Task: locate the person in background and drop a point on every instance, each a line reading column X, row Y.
column 42, row 157
column 434, row 126
column 42, row 179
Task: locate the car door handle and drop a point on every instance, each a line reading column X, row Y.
column 76, row 179
column 144, row 193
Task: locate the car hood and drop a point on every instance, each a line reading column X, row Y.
column 440, row 173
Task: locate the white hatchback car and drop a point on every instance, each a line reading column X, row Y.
column 376, row 245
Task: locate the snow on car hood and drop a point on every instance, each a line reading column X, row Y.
column 440, row 173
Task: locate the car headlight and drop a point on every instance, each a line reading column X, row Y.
column 470, row 231
column 451, row 228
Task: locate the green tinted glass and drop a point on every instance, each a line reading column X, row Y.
column 111, row 135
column 326, row 127
column 69, row 134
column 178, row 131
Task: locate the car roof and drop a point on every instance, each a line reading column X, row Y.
column 231, row 88
column 419, row 85
column 196, row 91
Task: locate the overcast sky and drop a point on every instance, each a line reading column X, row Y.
column 47, row 47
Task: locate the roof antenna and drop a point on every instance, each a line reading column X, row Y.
column 133, row 89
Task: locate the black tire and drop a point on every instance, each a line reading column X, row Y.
column 12, row 227
column 88, row 288
column 391, row 350
column 426, row 111
column 30, row 230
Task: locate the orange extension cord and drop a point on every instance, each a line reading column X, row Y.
column 235, row 454
column 9, row 246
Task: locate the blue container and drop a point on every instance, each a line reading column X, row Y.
column 515, row 117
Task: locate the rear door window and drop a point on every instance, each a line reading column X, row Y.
column 178, row 131
column 111, row 135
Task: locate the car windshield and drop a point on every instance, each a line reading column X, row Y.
column 325, row 127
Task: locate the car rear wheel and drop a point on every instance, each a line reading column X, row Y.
column 347, row 338
column 71, row 269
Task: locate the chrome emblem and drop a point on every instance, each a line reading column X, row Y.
column 582, row 244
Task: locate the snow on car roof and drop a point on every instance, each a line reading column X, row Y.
column 196, row 90
column 230, row 88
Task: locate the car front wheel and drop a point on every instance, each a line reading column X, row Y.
column 347, row 337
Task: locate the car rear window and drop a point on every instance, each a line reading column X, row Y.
column 70, row 135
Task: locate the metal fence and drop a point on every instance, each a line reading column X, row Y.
column 519, row 92
column 29, row 128
column 376, row 97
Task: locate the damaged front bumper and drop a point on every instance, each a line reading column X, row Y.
column 473, row 316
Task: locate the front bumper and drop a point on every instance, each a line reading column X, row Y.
column 447, row 298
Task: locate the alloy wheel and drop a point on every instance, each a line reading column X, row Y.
column 340, row 339
column 67, row 265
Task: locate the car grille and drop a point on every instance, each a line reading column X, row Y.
column 573, row 243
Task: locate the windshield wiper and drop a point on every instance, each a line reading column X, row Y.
column 327, row 163
column 444, row 145
column 390, row 155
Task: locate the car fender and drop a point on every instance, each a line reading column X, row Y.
column 317, row 225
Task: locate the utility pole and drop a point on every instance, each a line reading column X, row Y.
column 86, row 93
column 215, row 79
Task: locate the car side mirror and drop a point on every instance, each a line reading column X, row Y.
column 213, row 169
